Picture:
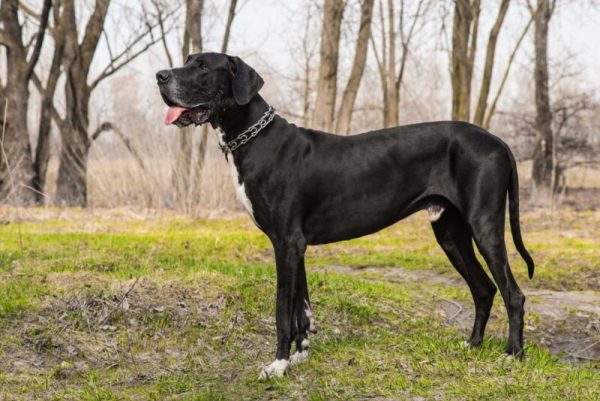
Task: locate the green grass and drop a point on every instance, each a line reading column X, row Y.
column 199, row 322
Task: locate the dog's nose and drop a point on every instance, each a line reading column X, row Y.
column 163, row 76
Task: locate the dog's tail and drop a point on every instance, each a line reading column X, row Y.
column 513, row 210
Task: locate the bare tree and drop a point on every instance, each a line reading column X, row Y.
column 16, row 164
column 390, row 73
column 323, row 114
column 308, row 53
column 573, row 135
column 187, row 170
column 202, row 148
column 464, row 46
column 542, row 153
column 358, row 66
column 71, row 184
column 489, row 63
column 47, row 91
column 192, row 43
column 492, row 108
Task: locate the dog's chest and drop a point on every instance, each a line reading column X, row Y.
column 238, row 184
column 239, row 187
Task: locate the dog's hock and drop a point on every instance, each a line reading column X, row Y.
column 275, row 369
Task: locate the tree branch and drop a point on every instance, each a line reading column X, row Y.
column 111, row 68
column 4, row 39
column 230, row 17
column 25, row 8
column 108, row 126
column 93, row 30
column 163, row 35
column 488, row 70
column 53, row 112
column 492, row 109
column 40, row 39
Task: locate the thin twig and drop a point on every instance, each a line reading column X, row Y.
column 458, row 306
column 105, row 318
column 10, row 174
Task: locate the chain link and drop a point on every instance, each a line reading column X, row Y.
column 249, row 133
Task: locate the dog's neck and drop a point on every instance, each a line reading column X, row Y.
column 234, row 120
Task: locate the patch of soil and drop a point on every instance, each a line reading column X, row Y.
column 567, row 322
column 96, row 324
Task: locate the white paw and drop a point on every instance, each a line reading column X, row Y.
column 298, row 357
column 275, row 369
column 305, row 343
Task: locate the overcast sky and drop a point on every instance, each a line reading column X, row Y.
column 264, row 31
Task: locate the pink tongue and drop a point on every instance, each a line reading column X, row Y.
column 173, row 114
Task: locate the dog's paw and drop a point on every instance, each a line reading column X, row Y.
column 275, row 369
column 298, row 357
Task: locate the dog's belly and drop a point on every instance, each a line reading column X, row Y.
column 344, row 217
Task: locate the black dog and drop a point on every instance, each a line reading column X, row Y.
column 304, row 187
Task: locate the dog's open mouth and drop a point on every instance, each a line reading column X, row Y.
column 181, row 116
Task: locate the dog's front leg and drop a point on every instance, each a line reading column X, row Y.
column 303, row 318
column 289, row 259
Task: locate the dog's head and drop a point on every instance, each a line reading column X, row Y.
column 206, row 85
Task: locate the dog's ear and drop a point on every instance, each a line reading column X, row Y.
column 246, row 82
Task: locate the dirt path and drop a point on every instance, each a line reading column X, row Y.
column 567, row 322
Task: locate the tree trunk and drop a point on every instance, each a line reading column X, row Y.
column 405, row 39
column 16, row 170
column 71, row 183
column 323, row 114
column 183, row 175
column 391, row 75
column 42, row 152
column 489, row 64
column 542, row 154
column 202, row 148
column 382, row 66
column 464, row 45
column 358, row 66
column 492, row 109
column 16, row 164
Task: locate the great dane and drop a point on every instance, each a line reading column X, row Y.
column 304, row 187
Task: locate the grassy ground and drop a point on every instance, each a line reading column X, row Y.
column 119, row 308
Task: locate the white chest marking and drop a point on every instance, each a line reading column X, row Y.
column 240, row 190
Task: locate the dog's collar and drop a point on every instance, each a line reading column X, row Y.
column 249, row 133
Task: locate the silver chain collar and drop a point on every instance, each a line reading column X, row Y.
column 249, row 133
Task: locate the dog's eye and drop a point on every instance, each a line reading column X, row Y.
column 202, row 67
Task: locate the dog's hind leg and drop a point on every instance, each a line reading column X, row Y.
column 488, row 232
column 454, row 236
column 289, row 261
